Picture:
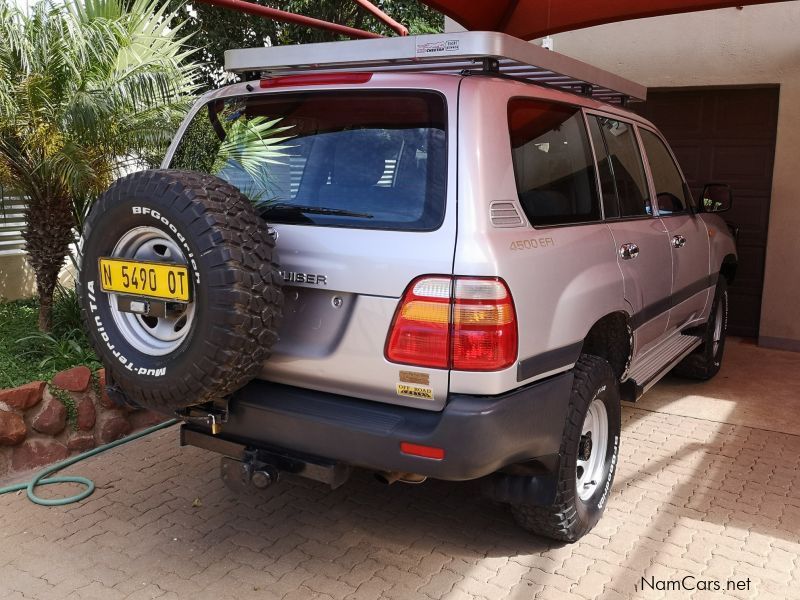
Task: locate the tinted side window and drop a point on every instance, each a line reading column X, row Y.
column 553, row 164
column 626, row 166
column 608, row 188
column 667, row 180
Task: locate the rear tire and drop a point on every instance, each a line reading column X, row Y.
column 706, row 360
column 584, row 478
column 218, row 343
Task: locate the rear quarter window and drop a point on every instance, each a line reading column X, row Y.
column 553, row 164
column 365, row 159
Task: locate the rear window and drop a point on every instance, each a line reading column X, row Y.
column 553, row 164
column 371, row 160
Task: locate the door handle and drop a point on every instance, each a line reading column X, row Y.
column 629, row 251
column 678, row 241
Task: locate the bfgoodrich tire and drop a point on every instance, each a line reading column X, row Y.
column 216, row 343
column 706, row 361
column 588, row 462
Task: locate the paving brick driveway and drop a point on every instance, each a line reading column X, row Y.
column 692, row 497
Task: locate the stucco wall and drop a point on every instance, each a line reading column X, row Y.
column 754, row 45
column 16, row 278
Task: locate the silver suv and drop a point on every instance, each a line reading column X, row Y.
column 448, row 275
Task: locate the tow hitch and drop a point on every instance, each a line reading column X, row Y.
column 207, row 415
column 243, row 465
column 239, row 474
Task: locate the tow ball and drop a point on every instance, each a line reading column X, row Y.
column 240, row 474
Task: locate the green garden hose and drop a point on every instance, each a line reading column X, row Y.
column 39, row 478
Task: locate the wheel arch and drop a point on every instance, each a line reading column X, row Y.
column 728, row 267
column 611, row 338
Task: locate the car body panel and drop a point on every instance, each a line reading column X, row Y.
column 563, row 279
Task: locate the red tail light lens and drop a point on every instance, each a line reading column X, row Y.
column 463, row 323
column 420, row 333
column 484, row 326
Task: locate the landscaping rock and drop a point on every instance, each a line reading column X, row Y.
column 52, row 418
column 112, row 428
column 37, row 453
column 145, row 418
column 87, row 415
column 24, row 396
column 12, row 429
column 80, row 441
column 76, row 379
column 105, row 401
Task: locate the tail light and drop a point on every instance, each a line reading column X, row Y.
column 463, row 323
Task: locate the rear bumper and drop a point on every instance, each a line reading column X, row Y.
column 478, row 434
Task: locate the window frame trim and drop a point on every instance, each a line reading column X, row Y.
column 645, row 166
column 690, row 208
column 582, row 110
column 206, row 100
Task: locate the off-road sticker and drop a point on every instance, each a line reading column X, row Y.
column 414, row 391
column 415, row 377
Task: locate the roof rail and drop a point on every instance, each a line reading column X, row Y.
column 442, row 53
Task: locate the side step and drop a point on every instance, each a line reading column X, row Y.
column 650, row 368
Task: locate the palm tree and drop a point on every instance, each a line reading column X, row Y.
column 88, row 90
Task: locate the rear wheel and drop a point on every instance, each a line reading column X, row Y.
column 167, row 354
column 706, row 361
column 589, row 450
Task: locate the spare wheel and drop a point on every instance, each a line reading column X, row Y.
column 180, row 288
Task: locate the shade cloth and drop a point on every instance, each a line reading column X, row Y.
column 530, row 19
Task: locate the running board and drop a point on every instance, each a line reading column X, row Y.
column 650, row 368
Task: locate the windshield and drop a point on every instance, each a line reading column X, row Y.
column 374, row 160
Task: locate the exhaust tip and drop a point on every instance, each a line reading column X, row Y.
column 390, row 477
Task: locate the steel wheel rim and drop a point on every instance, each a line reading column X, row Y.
column 589, row 471
column 719, row 319
column 155, row 336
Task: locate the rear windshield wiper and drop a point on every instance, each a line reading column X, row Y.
column 298, row 210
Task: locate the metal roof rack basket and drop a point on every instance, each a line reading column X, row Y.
column 442, row 53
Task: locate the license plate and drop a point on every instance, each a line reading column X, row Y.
column 148, row 279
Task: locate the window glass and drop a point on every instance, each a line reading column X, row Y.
column 553, row 164
column 608, row 188
column 372, row 160
column 626, row 166
column 667, row 180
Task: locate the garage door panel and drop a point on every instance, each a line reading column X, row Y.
column 743, row 164
column 683, row 115
column 750, row 213
column 727, row 135
column 750, row 272
column 690, row 158
column 745, row 114
column 746, row 307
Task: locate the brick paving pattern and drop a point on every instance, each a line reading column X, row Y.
column 692, row 497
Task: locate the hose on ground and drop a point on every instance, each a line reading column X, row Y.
column 42, row 477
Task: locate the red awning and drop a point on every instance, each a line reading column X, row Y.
column 530, row 19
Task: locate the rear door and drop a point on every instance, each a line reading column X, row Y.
column 362, row 202
column 687, row 233
column 641, row 238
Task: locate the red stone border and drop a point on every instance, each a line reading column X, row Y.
column 42, row 423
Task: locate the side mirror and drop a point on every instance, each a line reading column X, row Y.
column 717, row 197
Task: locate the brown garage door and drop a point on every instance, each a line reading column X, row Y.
column 727, row 135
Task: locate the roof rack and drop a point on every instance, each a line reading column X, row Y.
column 442, row 53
